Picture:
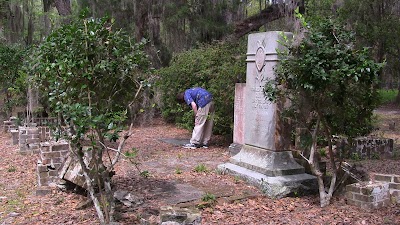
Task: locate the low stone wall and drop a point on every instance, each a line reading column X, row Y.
column 10, row 124
column 30, row 136
column 52, row 155
column 394, row 185
column 45, row 133
column 368, row 195
column 381, row 191
column 28, row 139
column 45, row 121
column 370, row 147
column 15, row 136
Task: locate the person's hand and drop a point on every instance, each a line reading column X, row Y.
column 194, row 107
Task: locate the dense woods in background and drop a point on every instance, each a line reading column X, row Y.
column 172, row 27
column 176, row 25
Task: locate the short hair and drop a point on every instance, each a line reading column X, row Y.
column 180, row 97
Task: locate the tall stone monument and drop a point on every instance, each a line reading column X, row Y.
column 265, row 159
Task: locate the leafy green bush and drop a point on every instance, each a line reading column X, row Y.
column 214, row 67
column 327, row 76
column 13, row 81
column 331, row 86
column 91, row 74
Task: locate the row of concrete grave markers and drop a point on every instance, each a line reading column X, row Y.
column 261, row 134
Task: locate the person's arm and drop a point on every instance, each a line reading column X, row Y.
column 194, row 107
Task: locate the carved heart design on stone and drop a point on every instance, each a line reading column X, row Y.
column 260, row 58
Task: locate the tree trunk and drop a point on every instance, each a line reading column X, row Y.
column 46, row 20
column 141, row 19
column 63, row 7
column 313, row 161
column 15, row 23
column 28, row 9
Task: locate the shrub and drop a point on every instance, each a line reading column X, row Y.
column 215, row 67
column 13, row 80
column 91, row 75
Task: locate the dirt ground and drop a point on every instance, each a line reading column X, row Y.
column 171, row 175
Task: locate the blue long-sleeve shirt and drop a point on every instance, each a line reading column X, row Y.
column 198, row 95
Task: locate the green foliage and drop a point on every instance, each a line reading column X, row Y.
column 236, row 179
column 178, row 171
column 376, row 26
column 326, row 77
column 199, row 21
column 317, row 9
column 13, row 80
column 90, row 74
column 396, row 153
column 208, row 197
column 375, row 155
column 131, row 154
column 214, row 67
column 11, row 169
column 387, row 96
column 200, row 168
column 375, row 23
column 355, row 156
column 322, row 152
column 145, row 174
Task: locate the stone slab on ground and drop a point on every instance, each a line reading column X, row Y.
column 183, row 193
column 274, row 187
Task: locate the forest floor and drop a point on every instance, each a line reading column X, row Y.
column 171, row 175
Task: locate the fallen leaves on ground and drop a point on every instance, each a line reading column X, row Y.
column 167, row 164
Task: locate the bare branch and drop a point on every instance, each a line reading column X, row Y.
column 137, row 93
column 314, row 141
column 120, row 147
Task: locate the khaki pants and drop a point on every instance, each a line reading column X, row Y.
column 203, row 124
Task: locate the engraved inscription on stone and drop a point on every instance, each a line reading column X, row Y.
column 259, row 101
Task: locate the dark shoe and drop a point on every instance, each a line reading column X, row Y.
column 204, row 145
column 191, row 146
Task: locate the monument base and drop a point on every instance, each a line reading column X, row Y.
column 277, row 186
column 264, row 161
column 276, row 173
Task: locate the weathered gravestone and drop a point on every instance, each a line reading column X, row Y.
column 238, row 119
column 265, row 159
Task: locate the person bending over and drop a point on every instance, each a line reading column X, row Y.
column 201, row 102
